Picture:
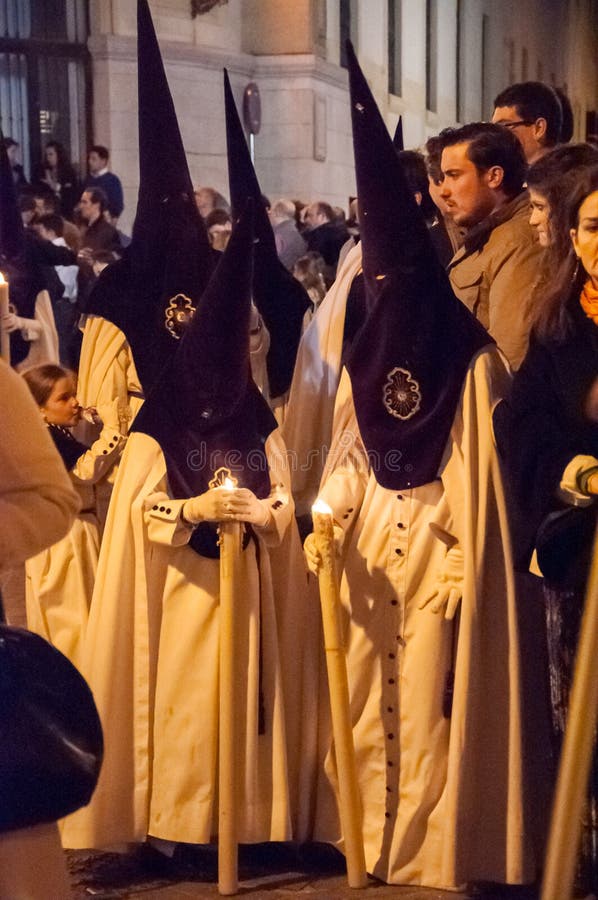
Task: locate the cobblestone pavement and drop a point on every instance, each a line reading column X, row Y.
column 266, row 872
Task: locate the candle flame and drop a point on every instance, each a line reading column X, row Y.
column 229, row 484
column 2, row 279
column 321, row 507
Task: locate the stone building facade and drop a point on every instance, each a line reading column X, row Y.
column 435, row 62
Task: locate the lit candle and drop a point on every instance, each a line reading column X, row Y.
column 230, row 548
column 4, row 335
column 349, row 798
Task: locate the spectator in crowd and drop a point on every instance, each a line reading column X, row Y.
column 435, row 179
column 416, row 173
column 56, row 172
column 101, row 177
column 13, row 150
column 324, row 235
column 533, row 112
column 207, row 199
column 96, row 234
column 494, row 272
column 27, row 208
column 549, row 433
column 547, row 181
column 50, row 227
column 309, row 270
column 289, row 243
column 48, row 204
column 219, row 226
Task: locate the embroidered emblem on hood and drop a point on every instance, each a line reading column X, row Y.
column 401, row 394
column 179, row 312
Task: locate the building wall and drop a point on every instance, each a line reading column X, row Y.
column 292, row 50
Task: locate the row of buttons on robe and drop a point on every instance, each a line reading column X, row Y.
column 165, row 509
column 390, row 710
column 111, row 444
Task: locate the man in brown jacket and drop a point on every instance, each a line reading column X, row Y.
column 495, row 270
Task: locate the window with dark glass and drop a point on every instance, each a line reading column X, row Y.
column 45, row 76
column 432, row 55
column 394, row 47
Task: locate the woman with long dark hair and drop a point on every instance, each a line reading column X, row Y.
column 56, row 172
column 551, row 448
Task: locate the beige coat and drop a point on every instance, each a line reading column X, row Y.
column 151, row 659
column 37, row 501
column 494, row 274
column 443, row 798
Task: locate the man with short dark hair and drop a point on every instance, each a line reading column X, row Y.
column 533, row 112
column 290, row 245
column 100, row 177
column 98, row 234
column 484, row 168
column 324, row 235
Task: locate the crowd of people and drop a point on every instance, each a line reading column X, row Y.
column 427, row 365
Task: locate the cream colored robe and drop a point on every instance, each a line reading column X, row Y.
column 59, row 580
column 443, row 798
column 151, row 659
column 307, row 427
column 106, row 372
column 44, row 342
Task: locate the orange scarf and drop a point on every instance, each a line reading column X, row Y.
column 589, row 301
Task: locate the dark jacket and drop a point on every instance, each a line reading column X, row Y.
column 542, row 427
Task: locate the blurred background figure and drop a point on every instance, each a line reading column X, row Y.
column 290, row 245
column 101, row 177
column 324, row 235
column 13, row 150
column 207, row 199
column 219, row 225
column 309, row 270
column 56, row 171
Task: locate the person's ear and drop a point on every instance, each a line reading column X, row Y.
column 495, row 177
column 540, row 127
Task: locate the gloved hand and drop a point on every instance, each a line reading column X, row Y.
column 12, row 322
column 313, row 557
column 112, row 414
column 211, row 506
column 449, row 585
column 245, row 507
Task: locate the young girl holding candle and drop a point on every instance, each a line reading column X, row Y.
column 60, row 579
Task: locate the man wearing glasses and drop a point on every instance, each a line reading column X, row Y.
column 533, row 112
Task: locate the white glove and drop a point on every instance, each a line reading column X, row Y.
column 449, row 585
column 113, row 414
column 12, row 322
column 245, row 507
column 313, row 557
column 211, row 506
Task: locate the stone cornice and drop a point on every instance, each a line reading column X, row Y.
column 122, row 48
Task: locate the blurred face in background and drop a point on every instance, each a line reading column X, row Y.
column 540, row 217
column 585, row 236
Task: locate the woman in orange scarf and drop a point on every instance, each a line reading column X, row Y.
column 550, row 435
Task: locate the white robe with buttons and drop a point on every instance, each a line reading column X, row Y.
column 443, row 798
column 151, row 659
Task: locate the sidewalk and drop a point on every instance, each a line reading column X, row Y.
column 266, row 872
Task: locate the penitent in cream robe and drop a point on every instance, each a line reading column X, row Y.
column 151, row 659
column 443, row 797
